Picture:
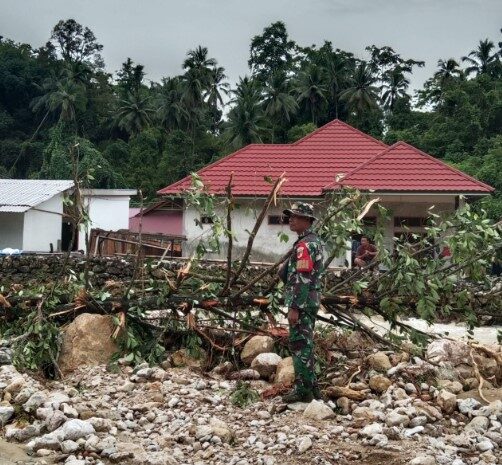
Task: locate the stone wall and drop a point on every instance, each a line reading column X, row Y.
column 40, row 269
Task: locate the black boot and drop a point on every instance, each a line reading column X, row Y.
column 295, row 396
column 318, row 395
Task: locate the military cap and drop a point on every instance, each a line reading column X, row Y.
column 300, row 209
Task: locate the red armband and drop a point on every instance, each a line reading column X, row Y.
column 304, row 263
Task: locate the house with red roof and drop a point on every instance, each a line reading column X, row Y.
column 407, row 180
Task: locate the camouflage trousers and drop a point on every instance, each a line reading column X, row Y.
column 301, row 345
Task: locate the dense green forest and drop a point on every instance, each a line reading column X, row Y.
column 132, row 132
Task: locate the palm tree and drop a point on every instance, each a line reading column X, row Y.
column 214, row 94
column 362, row 94
column 245, row 125
column 134, row 114
column 311, row 91
column 62, row 98
column 448, row 70
column 482, row 59
column 394, row 87
column 170, row 110
column 217, row 87
column 246, row 121
column 278, row 103
column 198, row 75
column 337, row 76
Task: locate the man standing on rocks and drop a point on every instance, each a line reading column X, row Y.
column 301, row 274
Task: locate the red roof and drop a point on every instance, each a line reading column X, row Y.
column 313, row 163
column 403, row 167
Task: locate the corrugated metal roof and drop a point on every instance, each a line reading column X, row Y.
column 19, row 195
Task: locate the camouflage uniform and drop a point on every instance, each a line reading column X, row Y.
column 302, row 292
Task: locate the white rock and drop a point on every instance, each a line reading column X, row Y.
column 421, row 420
column 266, row 364
column 6, row 413
column 370, row 430
column 75, row 429
column 304, row 443
column 410, row 388
column 35, row 401
column 408, row 433
column 221, row 429
column 55, row 399
column 446, row 350
column 48, row 441
column 298, row 406
column 478, row 424
column 55, row 420
column 423, row 460
column 485, row 445
column 318, row 410
column 493, row 408
column 68, row 447
column 379, row 440
column 69, row 411
column 467, row 406
column 396, row 419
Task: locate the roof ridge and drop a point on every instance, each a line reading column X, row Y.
column 362, row 165
column 442, row 163
column 415, row 149
column 334, row 122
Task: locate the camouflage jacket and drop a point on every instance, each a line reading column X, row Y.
column 304, row 268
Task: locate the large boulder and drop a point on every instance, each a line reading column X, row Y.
column 449, row 351
column 87, row 342
column 255, row 346
column 266, row 364
column 318, row 410
column 285, row 373
column 379, row 361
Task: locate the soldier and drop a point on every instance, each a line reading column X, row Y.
column 301, row 274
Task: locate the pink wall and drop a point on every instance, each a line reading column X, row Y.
column 159, row 221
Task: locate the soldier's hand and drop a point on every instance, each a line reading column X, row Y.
column 293, row 316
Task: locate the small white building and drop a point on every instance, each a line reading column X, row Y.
column 32, row 215
column 406, row 180
column 108, row 209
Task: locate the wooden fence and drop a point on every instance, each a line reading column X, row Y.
column 124, row 242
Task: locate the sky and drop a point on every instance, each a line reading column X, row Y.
column 158, row 33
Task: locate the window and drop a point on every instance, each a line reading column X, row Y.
column 277, row 219
column 206, row 220
column 409, row 222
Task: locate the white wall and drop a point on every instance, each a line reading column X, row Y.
column 11, row 230
column 106, row 212
column 43, row 224
column 267, row 246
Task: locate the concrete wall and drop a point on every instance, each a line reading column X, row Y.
column 267, row 246
column 42, row 225
column 11, row 230
column 106, row 212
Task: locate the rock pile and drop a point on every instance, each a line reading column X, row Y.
column 151, row 415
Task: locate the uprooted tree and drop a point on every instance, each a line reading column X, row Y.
column 218, row 306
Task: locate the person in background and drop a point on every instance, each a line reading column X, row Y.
column 366, row 253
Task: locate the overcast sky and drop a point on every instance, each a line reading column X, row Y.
column 158, row 33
